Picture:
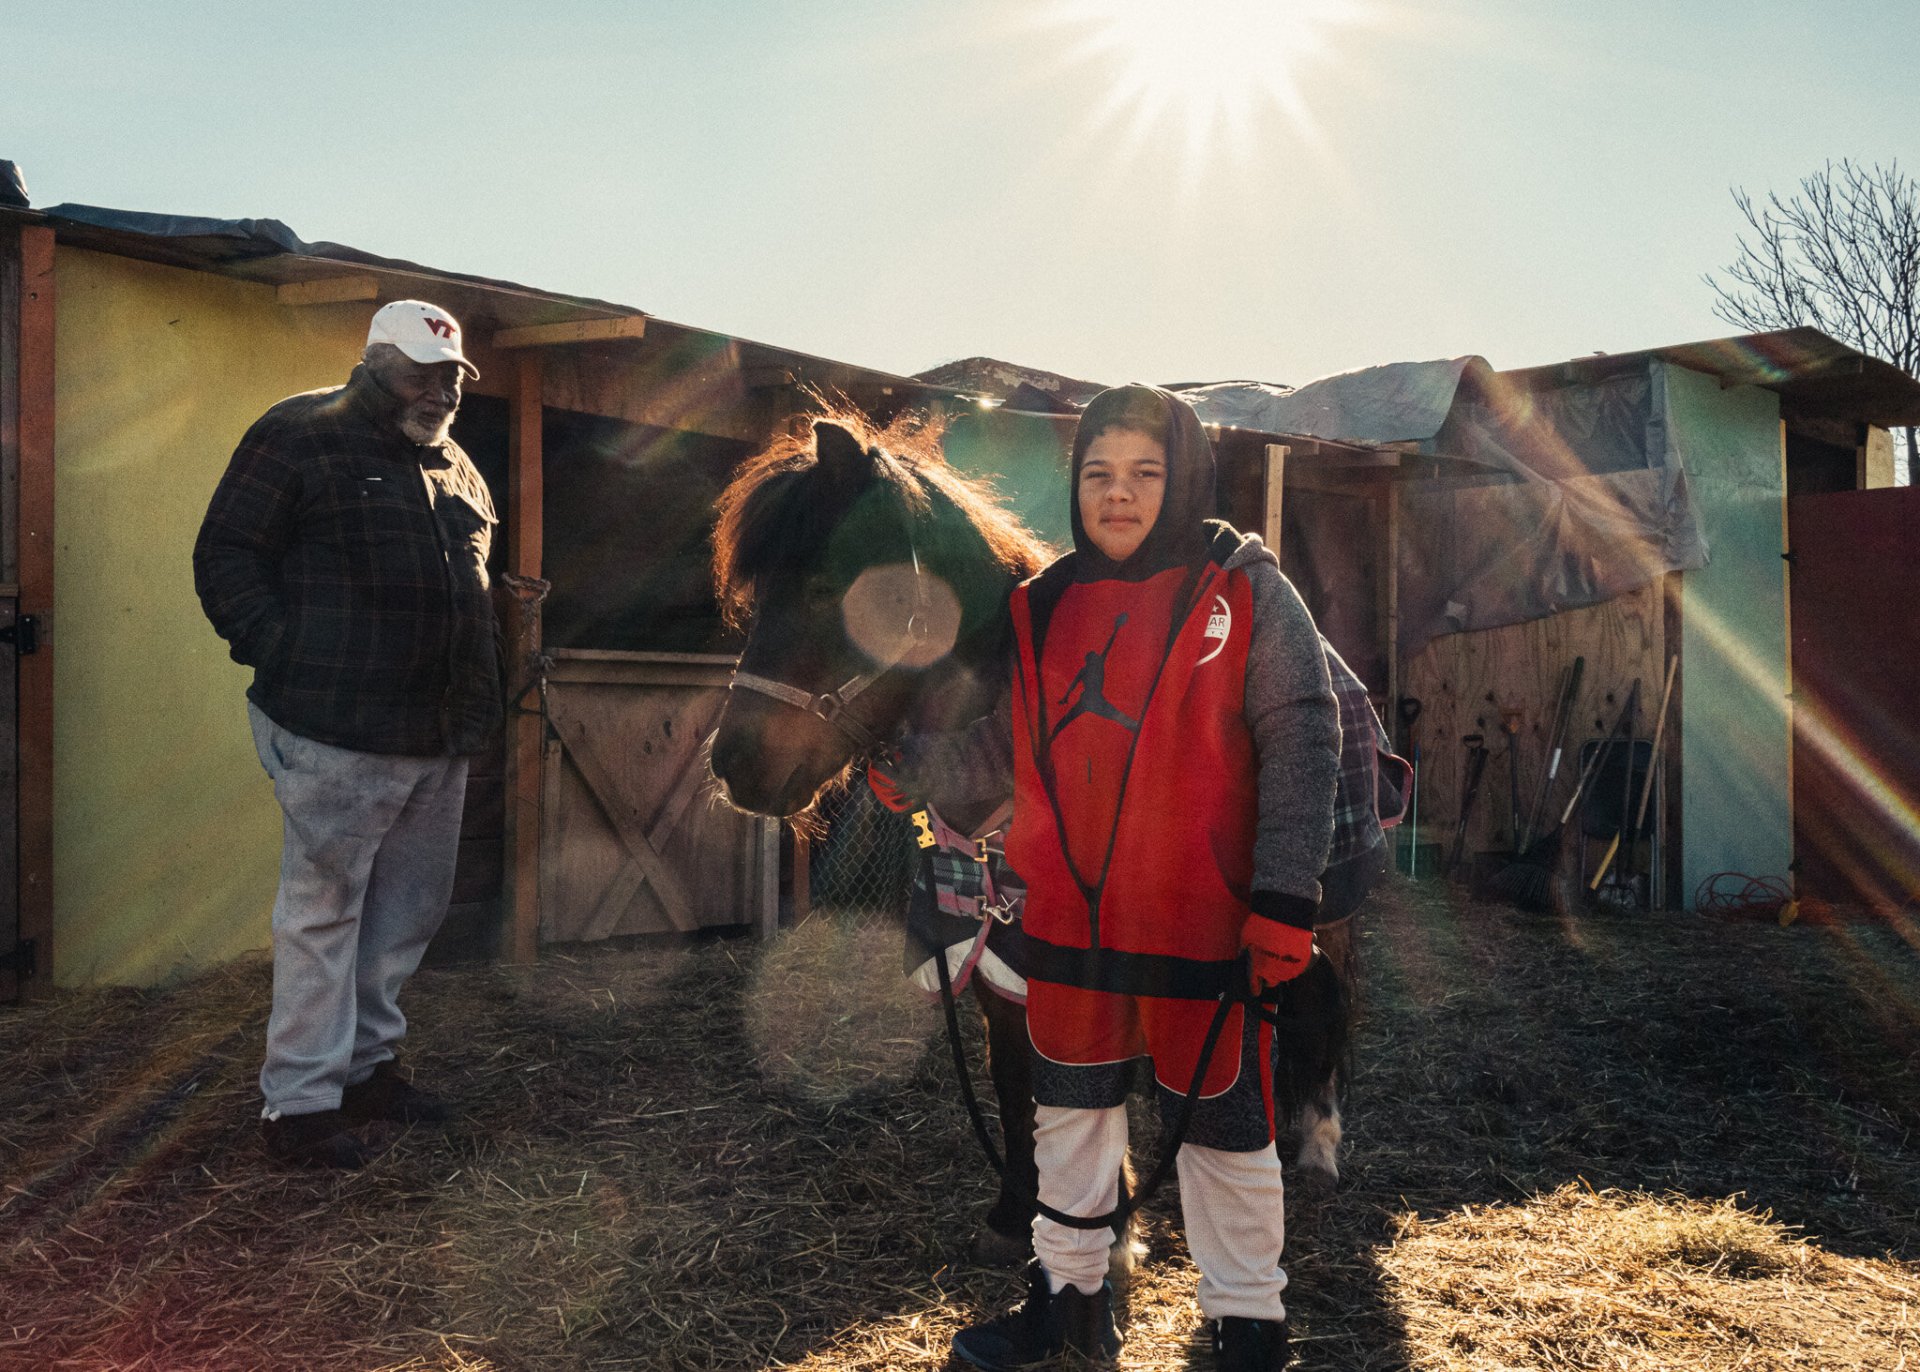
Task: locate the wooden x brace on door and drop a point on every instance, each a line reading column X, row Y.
column 644, row 862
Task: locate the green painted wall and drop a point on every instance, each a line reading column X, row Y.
column 1736, row 735
column 1025, row 459
column 166, row 835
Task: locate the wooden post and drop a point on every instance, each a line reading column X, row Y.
column 1276, row 483
column 766, row 842
column 1390, row 587
column 802, row 878
column 1786, row 699
column 35, row 535
column 525, row 739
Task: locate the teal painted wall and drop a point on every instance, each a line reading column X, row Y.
column 1025, row 459
column 1736, row 733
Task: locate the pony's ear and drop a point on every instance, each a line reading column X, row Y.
column 842, row 456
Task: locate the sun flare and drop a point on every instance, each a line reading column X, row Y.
column 1206, row 68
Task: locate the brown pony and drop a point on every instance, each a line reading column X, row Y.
column 872, row 582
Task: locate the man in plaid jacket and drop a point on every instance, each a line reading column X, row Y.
column 344, row 559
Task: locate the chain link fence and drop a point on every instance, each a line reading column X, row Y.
column 864, row 865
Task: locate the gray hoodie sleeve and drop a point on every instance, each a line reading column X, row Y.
column 967, row 773
column 1295, row 720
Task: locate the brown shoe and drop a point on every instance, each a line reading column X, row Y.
column 320, row 1138
column 388, row 1095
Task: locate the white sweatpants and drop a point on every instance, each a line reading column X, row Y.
column 366, row 870
column 1233, row 1205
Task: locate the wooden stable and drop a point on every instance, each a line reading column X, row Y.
column 604, row 433
column 1761, row 421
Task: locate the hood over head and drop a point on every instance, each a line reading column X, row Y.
column 1180, row 535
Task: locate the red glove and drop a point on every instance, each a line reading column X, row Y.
column 1277, row 952
column 886, row 788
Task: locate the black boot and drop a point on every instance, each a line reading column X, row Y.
column 389, row 1094
column 1043, row 1327
column 1243, row 1345
column 322, row 1138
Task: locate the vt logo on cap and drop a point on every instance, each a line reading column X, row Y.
column 424, row 332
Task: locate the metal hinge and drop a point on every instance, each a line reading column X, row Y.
column 22, row 961
column 23, row 634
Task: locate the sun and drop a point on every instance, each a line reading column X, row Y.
column 1206, row 69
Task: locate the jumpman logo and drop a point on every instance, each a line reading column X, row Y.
column 1091, row 682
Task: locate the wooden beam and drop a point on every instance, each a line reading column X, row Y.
column 9, row 407
column 35, row 534
column 1276, row 483
column 1786, row 699
column 573, row 331
column 766, row 376
column 1390, row 618
column 1329, row 480
column 802, row 878
column 766, row 839
column 1873, row 468
column 525, row 732
column 331, row 290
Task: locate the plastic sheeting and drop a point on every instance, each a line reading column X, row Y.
column 1551, row 500
column 1401, row 402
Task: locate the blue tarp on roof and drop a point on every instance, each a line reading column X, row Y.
column 1580, row 495
column 1402, row 402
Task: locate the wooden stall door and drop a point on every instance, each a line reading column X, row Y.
column 1856, row 695
column 634, row 838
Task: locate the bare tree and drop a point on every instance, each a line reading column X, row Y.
column 1842, row 255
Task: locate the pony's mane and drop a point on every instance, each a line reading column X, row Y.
column 773, row 514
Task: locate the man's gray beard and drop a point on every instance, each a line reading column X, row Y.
column 426, row 432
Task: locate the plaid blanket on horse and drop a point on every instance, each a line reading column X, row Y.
column 965, row 908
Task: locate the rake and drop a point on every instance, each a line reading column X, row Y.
column 1528, row 881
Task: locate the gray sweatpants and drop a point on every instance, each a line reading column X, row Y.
column 366, row 871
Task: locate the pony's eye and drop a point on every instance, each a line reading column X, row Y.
column 820, row 590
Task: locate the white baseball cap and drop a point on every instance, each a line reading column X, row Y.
column 424, row 332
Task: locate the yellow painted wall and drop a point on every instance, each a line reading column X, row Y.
column 166, row 835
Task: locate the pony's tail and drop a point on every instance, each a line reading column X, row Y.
column 1312, row 1036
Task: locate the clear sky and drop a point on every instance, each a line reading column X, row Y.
column 1159, row 190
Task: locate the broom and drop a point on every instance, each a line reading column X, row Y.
column 1556, row 741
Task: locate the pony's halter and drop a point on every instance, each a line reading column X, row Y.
column 833, row 706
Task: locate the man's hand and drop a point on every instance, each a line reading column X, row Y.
column 886, row 787
column 1277, row 952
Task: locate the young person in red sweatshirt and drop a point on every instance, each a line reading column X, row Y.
column 1176, row 747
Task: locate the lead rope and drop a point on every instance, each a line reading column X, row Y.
column 531, row 593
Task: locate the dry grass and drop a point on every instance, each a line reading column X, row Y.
column 732, row 1157
column 1612, row 1280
